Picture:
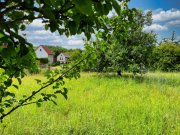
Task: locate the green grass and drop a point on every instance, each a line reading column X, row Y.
column 103, row 104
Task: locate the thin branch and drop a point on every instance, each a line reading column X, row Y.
column 29, row 103
column 36, row 92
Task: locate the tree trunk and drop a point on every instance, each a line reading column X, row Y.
column 119, row 72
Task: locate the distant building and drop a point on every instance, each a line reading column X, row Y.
column 5, row 45
column 44, row 52
column 63, row 57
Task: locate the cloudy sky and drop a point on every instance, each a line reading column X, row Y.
column 166, row 18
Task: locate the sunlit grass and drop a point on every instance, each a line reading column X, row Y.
column 103, row 104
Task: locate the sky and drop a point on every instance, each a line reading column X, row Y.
column 166, row 19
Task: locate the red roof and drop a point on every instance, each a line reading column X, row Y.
column 49, row 52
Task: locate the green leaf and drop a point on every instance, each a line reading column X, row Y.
column 1, row 110
column 19, row 80
column 48, row 12
column 85, row 6
column 15, row 86
column 24, row 96
column 23, row 27
column 8, row 82
column 54, row 102
column 116, row 6
column 63, row 93
column 40, row 100
column 38, row 104
column 1, row 35
column 9, row 94
column 38, row 1
column 46, row 26
column 53, row 27
column 17, row 14
column 38, row 81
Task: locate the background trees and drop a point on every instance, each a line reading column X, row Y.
column 166, row 57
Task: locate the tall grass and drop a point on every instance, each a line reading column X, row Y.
column 103, row 104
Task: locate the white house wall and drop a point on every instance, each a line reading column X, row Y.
column 41, row 53
column 61, row 58
column 50, row 59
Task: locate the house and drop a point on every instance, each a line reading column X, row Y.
column 44, row 52
column 62, row 58
column 4, row 45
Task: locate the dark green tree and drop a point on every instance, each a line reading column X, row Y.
column 166, row 57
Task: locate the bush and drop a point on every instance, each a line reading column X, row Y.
column 34, row 70
column 43, row 60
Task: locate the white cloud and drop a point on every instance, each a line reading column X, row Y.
column 155, row 27
column 178, row 38
column 174, row 23
column 75, row 42
column 40, row 36
column 41, row 32
column 37, row 23
column 161, row 15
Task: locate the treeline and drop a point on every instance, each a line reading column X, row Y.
column 166, row 57
column 139, row 57
column 163, row 57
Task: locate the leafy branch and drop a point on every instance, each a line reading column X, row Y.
column 34, row 93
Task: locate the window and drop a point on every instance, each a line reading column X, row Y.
column 40, row 49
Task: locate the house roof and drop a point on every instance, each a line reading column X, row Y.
column 49, row 52
column 66, row 55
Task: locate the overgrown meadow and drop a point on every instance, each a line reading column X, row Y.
column 102, row 104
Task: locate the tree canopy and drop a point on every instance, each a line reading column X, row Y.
column 126, row 46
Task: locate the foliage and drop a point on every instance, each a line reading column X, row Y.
column 36, row 69
column 126, row 46
column 68, row 17
column 167, row 57
column 75, row 54
column 43, row 60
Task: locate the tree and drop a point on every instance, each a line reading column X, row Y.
column 127, row 46
column 133, row 51
column 171, row 40
column 68, row 17
column 166, row 57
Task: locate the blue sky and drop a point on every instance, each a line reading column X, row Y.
column 166, row 18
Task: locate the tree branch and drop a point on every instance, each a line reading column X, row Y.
column 43, row 87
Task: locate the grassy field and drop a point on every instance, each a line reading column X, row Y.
column 103, row 104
